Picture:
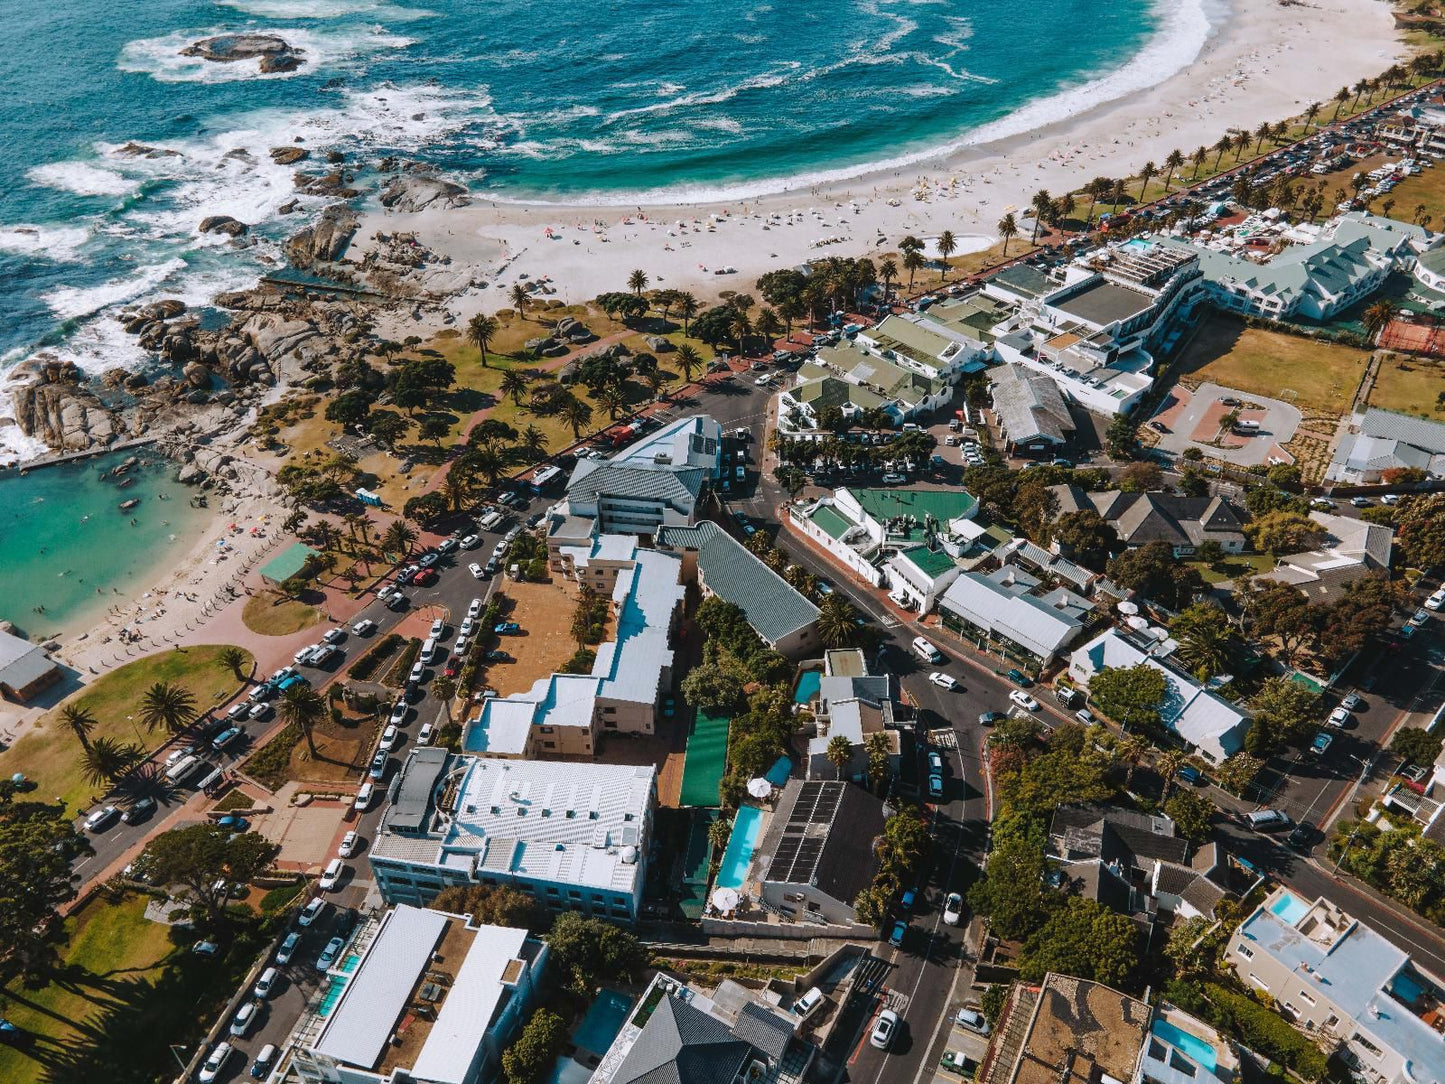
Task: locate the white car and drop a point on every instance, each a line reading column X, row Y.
column 438, row 628
column 972, row 1019
column 476, row 571
column 348, row 845
column 311, row 912
column 220, row 1054
column 334, row 636
column 1339, row 717
column 884, row 1029
column 467, row 626
column 365, row 627
column 331, row 875
column 461, row 647
column 364, row 795
column 1435, row 601
column 424, row 735
column 500, row 548
column 1023, row 700
column 101, row 818
column 474, row 609
column 1390, row 498
column 388, row 739
column 952, row 909
column 943, row 681
column 398, row 714
column 418, row 671
column 244, row 1018
column 266, row 984
column 470, row 542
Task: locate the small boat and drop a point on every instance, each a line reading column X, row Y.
column 126, row 482
column 126, row 506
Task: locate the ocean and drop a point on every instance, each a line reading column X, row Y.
column 552, row 100
column 63, row 536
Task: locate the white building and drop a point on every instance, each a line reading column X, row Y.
column 567, row 714
column 574, row 836
column 1351, row 548
column 1342, row 982
column 918, row 576
column 478, row 982
column 1213, row 726
column 930, row 349
column 1007, row 606
column 1382, row 440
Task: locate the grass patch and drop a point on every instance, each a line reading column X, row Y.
column 236, row 799
column 278, row 898
column 50, row 754
column 272, row 614
column 1411, row 385
column 123, row 992
column 375, row 655
column 1234, row 567
column 270, row 765
column 1323, row 376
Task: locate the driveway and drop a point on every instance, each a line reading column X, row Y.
column 1193, row 420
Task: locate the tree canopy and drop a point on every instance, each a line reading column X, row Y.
column 1085, row 939
column 1130, row 695
column 37, row 844
column 206, row 859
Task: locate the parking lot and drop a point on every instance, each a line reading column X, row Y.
column 544, row 612
column 1193, row 419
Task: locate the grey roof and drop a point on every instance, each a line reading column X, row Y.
column 1007, row 610
column 1024, row 280
column 408, row 812
column 1175, row 879
column 676, row 486
column 1103, row 303
column 763, row 1029
column 773, row 608
column 1167, row 517
column 360, row 1025
column 1418, row 432
column 1029, row 405
column 822, row 835
column 681, row 1044
column 22, row 662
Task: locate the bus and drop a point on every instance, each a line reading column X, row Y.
column 544, row 477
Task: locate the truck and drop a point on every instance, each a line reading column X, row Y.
column 544, row 477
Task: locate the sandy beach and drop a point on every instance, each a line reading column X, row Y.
column 1266, row 61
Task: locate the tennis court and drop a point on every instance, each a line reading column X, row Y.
column 706, row 760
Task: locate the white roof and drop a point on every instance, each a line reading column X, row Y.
column 360, row 1025
column 631, row 663
column 471, row 1002
column 1025, row 620
column 693, row 441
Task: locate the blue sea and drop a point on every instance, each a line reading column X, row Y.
column 551, row 99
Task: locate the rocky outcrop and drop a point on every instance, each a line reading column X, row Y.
column 325, row 239
column 414, row 192
column 140, row 150
column 286, row 156
column 336, row 184
column 51, row 405
column 275, row 53
column 223, row 224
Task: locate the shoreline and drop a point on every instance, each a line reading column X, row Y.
column 1263, row 61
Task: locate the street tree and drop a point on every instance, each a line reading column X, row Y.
column 207, row 859
column 1130, row 695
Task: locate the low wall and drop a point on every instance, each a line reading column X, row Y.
column 793, row 931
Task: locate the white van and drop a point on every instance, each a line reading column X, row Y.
column 363, row 797
column 428, row 650
column 491, row 521
column 182, row 768
column 926, row 651
column 1247, row 426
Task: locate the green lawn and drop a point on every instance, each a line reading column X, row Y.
column 1411, row 385
column 1322, row 376
column 122, row 993
column 1235, row 566
column 50, row 754
column 271, row 615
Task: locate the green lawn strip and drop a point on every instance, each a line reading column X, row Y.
column 1235, row 567
column 705, row 761
column 51, row 755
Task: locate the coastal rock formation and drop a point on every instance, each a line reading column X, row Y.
column 336, row 184
column 223, row 224
column 140, row 150
column 324, row 240
column 414, row 192
column 275, row 53
column 50, row 405
column 285, row 156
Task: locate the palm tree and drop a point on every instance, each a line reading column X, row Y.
column 1222, row 144
column 1241, row 144
column 107, row 760
column 1096, row 190
column 688, row 359
column 482, row 330
column 534, row 441
column 1377, row 317
column 1199, row 157
column 837, row 624
column 637, row 281
column 1042, row 204
column 741, row 328
column 912, row 260
column 576, row 414
column 687, row 307
column 887, row 271
column 1147, row 173
column 1172, row 162
column 768, row 325
column 514, row 383
column 840, row 751
column 456, row 488
column 81, row 722
column 1311, row 112
column 1008, row 228
column 876, row 746
column 1341, row 97
column 1167, row 765
column 612, row 399
column 718, row 833
column 1131, row 750
column 168, row 706
column 947, row 245
column 399, row 538
column 1206, row 647
column 233, row 658
column 1261, row 134
column 303, row 707
column 1117, row 192
column 520, row 297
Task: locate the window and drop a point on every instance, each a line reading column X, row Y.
column 594, row 815
column 571, row 813
column 573, row 894
column 1258, row 981
column 627, row 816
column 549, row 745
column 1305, row 997
column 609, row 711
column 1245, row 952
column 547, row 730
column 1364, row 1043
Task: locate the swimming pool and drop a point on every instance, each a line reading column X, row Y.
column 1289, row 908
column 1137, row 244
column 1192, row 1046
column 809, row 682
column 746, row 827
column 336, row 985
column 603, row 1021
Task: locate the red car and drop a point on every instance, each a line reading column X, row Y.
column 425, row 578
column 452, row 668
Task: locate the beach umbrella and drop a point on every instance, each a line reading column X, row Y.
column 1160, row 634
column 759, row 787
column 1137, row 623
column 1127, row 607
column 725, row 899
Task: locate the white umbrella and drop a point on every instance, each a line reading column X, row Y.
column 1127, row 607
column 1137, row 623
column 759, row 787
column 1160, row 634
column 725, row 899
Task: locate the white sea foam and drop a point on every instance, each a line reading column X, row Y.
column 161, row 58
column 59, row 243
column 71, row 302
column 83, row 179
column 1183, row 32
column 16, row 447
column 326, row 9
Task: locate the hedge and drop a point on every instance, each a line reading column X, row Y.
column 1259, row 1028
column 269, row 765
column 400, row 669
column 365, row 666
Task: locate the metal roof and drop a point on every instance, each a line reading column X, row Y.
column 681, row 1044
column 1418, row 432
column 1007, row 611
column 361, row 1024
column 773, row 608
column 22, row 662
column 414, row 790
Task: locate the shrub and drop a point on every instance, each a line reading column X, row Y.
column 365, row 666
column 270, row 764
column 278, row 898
column 580, row 662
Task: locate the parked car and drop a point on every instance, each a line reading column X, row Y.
column 935, row 786
column 288, row 947
column 264, row 1063
column 398, row 713
column 139, row 810
column 810, row 1000
column 348, row 845
column 476, row 571
column 329, row 954
column 507, row 628
column 953, row 909
column 1352, row 702
column 988, row 718
column 1321, row 745
column 1419, row 617
column 228, row 736
column 474, row 608
column 424, row 736
column 943, row 681
column 244, row 1018
column 334, row 636
column 331, row 875
column 418, row 671
column 1269, row 820
column 1339, row 717
column 898, row 933
column 884, row 1030
column 266, row 984
column 389, row 738
column 425, row 578
column 101, row 818
column 378, row 765
column 1437, row 600
column 364, row 796
column 312, row 911
column 1019, row 678
column 214, row 1063
column 972, row 1019
column 1024, row 700
column 1301, row 838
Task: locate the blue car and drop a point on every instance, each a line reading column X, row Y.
column 507, row 628
column 234, row 823
column 898, row 933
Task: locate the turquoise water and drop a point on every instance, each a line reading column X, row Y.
column 549, row 99
column 1195, row 1048
column 65, row 545
column 603, row 1021
column 778, row 774
column 336, row 985
column 746, row 827
column 1289, row 908
column 808, row 684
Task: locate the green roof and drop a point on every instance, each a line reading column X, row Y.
column 942, row 504
column 291, row 561
column 932, row 563
column 832, row 521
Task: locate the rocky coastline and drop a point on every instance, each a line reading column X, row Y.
column 275, row 53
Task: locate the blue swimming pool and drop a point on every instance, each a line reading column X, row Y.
column 1193, row 1047
column 746, row 827
column 603, row 1021
column 809, row 681
column 1289, row 908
